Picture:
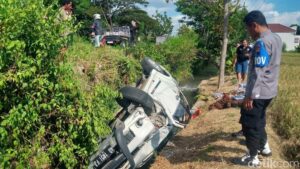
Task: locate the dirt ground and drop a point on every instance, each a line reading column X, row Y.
column 207, row 143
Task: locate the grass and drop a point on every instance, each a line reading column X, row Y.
column 286, row 106
column 106, row 65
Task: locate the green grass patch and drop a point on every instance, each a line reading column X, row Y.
column 105, row 65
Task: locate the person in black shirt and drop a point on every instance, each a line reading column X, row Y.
column 241, row 60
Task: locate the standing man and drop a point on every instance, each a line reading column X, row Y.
column 241, row 61
column 97, row 30
column 261, row 86
column 133, row 30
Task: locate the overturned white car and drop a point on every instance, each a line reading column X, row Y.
column 152, row 113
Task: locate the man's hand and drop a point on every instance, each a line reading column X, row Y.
column 248, row 103
column 234, row 62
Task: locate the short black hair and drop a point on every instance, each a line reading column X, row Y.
column 255, row 16
column 64, row 2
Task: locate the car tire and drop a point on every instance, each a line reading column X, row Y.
column 136, row 96
column 148, row 65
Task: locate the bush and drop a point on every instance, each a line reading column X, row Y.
column 176, row 54
column 47, row 121
column 298, row 49
column 107, row 65
column 284, row 47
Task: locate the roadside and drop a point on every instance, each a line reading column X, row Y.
column 207, row 142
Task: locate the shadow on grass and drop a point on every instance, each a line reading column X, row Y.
column 199, row 148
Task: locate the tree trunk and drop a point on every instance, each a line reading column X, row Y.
column 224, row 45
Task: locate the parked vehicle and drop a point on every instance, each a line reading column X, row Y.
column 118, row 36
column 151, row 114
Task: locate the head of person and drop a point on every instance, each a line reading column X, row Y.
column 97, row 16
column 256, row 23
column 67, row 4
column 245, row 43
column 133, row 23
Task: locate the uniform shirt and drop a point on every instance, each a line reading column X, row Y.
column 241, row 51
column 263, row 72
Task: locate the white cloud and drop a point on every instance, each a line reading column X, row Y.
column 272, row 15
column 151, row 10
column 176, row 24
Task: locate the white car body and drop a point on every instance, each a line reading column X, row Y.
column 143, row 133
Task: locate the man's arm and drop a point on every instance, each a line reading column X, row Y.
column 248, row 101
column 234, row 60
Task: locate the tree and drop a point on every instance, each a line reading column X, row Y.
column 110, row 8
column 224, row 45
column 147, row 26
column 297, row 28
column 165, row 23
column 207, row 18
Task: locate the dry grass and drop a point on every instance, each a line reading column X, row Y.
column 207, row 143
column 286, row 107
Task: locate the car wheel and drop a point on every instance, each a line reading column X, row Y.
column 148, row 65
column 136, row 96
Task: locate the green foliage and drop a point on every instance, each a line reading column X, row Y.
column 237, row 33
column 46, row 120
column 165, row 23
column 106, row 65
column 108, row 9
column 298, row 49
column 148, row 27
column 207, row 19
column 121, row 13
column 176, row 54
column 284, row 47
column 297, row 28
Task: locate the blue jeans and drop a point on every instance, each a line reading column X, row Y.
column 241, row 67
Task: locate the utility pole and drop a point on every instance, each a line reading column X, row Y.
column 224, row 45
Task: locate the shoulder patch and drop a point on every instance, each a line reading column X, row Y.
column 262, row 57
column 257, row 47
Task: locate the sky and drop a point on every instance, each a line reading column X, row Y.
column 285, row 12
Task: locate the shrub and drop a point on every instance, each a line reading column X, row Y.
column 176, row 54
column 284, row 47
column 298, row 48
column 46, row 121
column 107, row 65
